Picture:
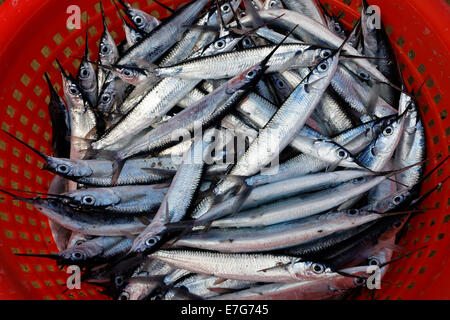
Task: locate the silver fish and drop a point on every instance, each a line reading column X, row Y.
column 278, row 236
column 251, row 267
column 305, row 290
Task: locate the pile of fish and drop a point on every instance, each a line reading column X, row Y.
column 234, row 150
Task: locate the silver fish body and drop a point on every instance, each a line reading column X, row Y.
column 300, row 206
column 279, row 236
column 133, row 200
column 250, row 267
column 215, row 67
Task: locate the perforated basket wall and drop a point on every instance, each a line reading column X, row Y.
column 33, row 33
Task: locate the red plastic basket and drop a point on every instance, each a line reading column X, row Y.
column 33, row 33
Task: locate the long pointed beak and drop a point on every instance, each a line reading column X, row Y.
column 46, row 256
column 42, row 155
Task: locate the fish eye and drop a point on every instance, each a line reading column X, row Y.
column 352, row 212
column 84, row 73
column 118, row 281
column 151, row 241
column 246, row 42
column 364, row 76
column 359, row 281
column 318, row 268
column 138, row 38
column 63, row 168
column 342, row 154
column 398, row 199
column 272, row 3
column 88, row 200
column 225, row 8
column 337, row 28
column 124, row 296
column 77, row 256
column 323, row 67
column 280, row 84
column 374, row 262
column 388, row 131
column 127, row 73
column 325, row 54
column 138, row 20
column 104, row 48
column 397, row 224
column 251, row 74
column 106, row 98
column 73, row 91
column 359, row 179
column 220, row 44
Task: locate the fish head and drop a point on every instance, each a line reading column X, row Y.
column 247, row 43
column 226, row 10
column 146, row 242
column 142, row 20
column 336, row 27
column 107, row 98
column 93, row 197
column 353, row 213
column 308, row 56
column 139, row 287
column 72, row 92
column 48, row 206
column 77, row 239
column 281, row 85
column 399, row 222
column 273, row 4
column 151, row 238
column 70, row 168
column 412, row 118
column 72, row 256
column 404, row 103
column 108, row 52
column 257, row 4
column 388, row 139
column 399, row 198
column 223, row 44
column 130, row 74
column 377, row 126
column 320, row 77
column 132, row 35
column 359, row 180
column 392, row 201
column 344, row 157
column 87, row 76
column 309, row 270
column 351, row 277
column 334, row 153
column 80, row 253
column 246, row 79
column 86, row 72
